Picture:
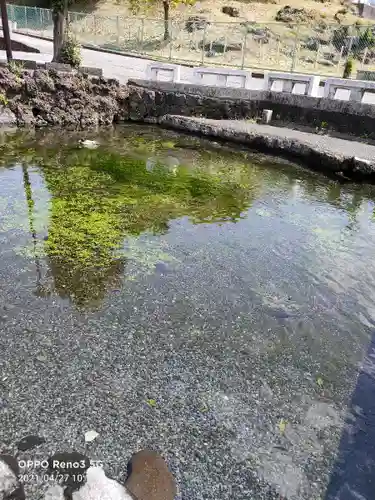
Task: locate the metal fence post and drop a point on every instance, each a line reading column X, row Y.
column 340, row 57
column 243, row 51
column 350, row 47
column 295, row 51
column 203, row 44
column 95, row 26
column 171, row 42
column 118, row 30
column 25, row 12
column 364, row 56
column 41, row 22
column 142, row 32
column 278, row 52
column 196, row 39
column 260, row 50
column 317, row 56
column 225, row 45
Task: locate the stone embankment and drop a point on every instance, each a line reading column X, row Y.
column 42, row 98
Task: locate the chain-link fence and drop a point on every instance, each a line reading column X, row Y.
column 31, row 19
column 319, row 48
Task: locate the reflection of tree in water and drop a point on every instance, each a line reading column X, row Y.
column 101, row 199
column 350, row 198
column 30, row 216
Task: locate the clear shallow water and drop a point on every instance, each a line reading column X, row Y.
column 235, row 291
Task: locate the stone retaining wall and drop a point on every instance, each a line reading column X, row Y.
column 46, row 97
column 159, row 98
column 42, row 98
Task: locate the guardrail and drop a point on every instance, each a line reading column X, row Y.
column 286, row 82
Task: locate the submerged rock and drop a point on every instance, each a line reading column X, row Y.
column 149, row 477
column 7, row 117
column 29, row 442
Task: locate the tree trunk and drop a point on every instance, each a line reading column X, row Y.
column 5, row 24
column 58, row 33
column 166, row 19
column 59, row 16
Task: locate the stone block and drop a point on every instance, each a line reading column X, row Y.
column 357, row 88
column 26, row 64
column 266, row 116
column 289, row 80
column 65, row 68
column 222, row 75
column 154, row 69
column 7, row 118
column 91, row 71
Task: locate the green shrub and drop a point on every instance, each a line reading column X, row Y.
column 3, row 100
column 348, row 69
column 339, row 37
column 16, row 68
column 366, row 39
column 70, row 52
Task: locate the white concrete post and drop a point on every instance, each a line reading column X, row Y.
column 313, row 86
column 155, row 68
column 222, row 75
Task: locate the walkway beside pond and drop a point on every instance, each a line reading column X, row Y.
column 331, row 145
column 321, row 152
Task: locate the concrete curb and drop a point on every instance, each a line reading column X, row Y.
column 333, row 165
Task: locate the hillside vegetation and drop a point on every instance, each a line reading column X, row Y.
column 265, row 11
column 317, row 37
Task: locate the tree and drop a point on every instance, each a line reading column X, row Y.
column 348, row 68
column 138, row 5
column 59, row 15
column 6, row 34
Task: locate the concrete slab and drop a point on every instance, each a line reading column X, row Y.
column 222, row 76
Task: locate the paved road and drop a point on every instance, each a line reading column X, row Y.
column 113, row 65
column 125, row 67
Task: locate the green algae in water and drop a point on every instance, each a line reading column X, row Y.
column 102, row 202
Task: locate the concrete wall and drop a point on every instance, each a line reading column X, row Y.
column 150, row 99
column 367, row 11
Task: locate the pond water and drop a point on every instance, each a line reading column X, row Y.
column 171, row 293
